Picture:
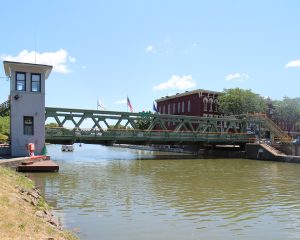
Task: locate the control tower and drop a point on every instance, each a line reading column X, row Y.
column 27, row 105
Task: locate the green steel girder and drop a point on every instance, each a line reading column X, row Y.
column 182, row 123
column 193, row 127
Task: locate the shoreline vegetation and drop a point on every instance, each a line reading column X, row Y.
column 24, row 214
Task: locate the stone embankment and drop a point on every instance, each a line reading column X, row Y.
column 265, row 152
column 33, row 196
column 24, row 214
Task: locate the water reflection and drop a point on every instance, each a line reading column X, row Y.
column 108, row 193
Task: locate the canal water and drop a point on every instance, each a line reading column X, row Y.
column 115, row 193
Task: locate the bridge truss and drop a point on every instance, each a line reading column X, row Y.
column 141, row 128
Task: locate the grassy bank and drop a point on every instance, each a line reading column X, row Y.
column 18, row 214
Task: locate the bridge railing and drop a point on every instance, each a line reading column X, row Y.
column 279, row 134
column 146, row 135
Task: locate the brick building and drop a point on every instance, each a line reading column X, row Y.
column 198, row 102
column 204, row 103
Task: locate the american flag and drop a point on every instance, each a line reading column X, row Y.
column 129, row 105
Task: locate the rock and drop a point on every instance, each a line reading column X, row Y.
column 53, row 221
column 33, row 194
column 22, row 190
column 40, row 214
column 47, row 215
column 37, row 190
column 34, row 202
column 26, row 199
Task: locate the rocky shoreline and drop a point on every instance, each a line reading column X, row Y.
column 24, row 213
column 33, row 196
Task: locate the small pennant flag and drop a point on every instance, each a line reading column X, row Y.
column 129, row 105
column 100, row 105
column 155, row 108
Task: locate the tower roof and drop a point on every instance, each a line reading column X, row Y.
column 21, row 66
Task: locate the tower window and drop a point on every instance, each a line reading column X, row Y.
column 20, row 81
column 28, row 125
column 35, row 82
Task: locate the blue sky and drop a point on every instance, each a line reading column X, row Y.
column 149, row 49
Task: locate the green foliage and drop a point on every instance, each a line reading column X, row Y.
column 3, row 138
column 51, row 125
column 288, row 111
column 118, row 127
column 4, row 125
column 237, row 101
column 144, row 120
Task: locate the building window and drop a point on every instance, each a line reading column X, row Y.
column 35, row 82
column 178, row 110
column 169, row 108
column 20, row 81
column 28, row 125
column 174, row 108
column 189, row 105
column 205, row 100
column 182, row 107
column 211, row 104
column 164, row 109
column 159, row 109
column 216, row 105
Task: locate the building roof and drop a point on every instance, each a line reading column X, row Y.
column 187, row 93
column 19, row 66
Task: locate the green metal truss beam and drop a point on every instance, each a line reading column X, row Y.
column 106, row 127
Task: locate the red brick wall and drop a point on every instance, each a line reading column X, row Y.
column 196, row 102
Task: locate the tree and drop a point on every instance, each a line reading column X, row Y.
column 3, row 138
column 4, row 125
column 52, row 125
column 288, row 111
column 144, row 120
column 237, row 101
column 119, row 127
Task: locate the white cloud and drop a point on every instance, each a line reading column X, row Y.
column 58, row 59
column 176, row 82
column 294, row 63
column 72, row 59
column 238, row 77
column 150, row 49
column 123, row 101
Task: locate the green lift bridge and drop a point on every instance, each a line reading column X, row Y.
column 110, row 127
